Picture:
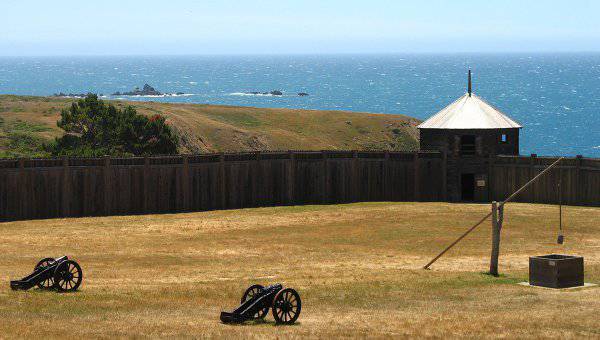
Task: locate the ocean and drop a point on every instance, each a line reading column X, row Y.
column 556, row 97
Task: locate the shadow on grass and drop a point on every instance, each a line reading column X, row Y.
column 262, row 322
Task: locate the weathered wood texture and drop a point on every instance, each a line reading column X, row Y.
column 579, row 177
column 46, row 188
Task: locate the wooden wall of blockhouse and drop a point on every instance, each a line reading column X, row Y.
column 487, row 141
column 47, row 188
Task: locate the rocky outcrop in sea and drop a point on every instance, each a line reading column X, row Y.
column 272, row 93
column 147, row 90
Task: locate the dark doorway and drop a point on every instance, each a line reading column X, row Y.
column 467, row 183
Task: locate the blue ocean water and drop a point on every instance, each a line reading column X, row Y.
column 556, row 97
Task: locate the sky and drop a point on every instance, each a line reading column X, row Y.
column 178, row 27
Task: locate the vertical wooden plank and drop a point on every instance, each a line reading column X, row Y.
column 186, row 184
column 577, row 190
column 146, row 184
column 222, row 184
column 532, row 191
column 292, row 179
column 490, row 177
column 255, row 179
column 416, row 177
column 20, row 194
column 65, row 190
column 385, row 191
column 355, row 186
column 107, row 186
column 444, row 176
column 325, row 184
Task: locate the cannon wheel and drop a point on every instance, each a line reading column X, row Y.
column 249, row 294
column 286, row 306
column 49, row 282
column 67, row 276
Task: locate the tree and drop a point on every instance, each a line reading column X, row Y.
column 94, row 128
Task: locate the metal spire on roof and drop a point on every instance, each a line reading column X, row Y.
column 469, row 90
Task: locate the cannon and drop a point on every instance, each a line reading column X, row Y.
column 256, row 301
column 61, row 274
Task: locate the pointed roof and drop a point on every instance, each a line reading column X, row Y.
column 469, row 112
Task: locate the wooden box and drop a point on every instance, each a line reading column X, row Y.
column 556, row 271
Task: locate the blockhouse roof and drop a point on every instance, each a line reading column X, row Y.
column 469, row 112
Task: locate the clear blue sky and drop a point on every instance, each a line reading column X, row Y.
column 109, row 27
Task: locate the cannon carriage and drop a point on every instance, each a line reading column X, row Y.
column 61, row 274
column 256, row 301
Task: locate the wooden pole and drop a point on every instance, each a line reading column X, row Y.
column 500, row 206
column 497, row 219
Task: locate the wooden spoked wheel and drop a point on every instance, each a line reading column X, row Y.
column 49, row 282
column 251, row 292
column 286, row 306
column 67, row 276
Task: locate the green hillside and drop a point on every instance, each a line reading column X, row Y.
column 28, row 122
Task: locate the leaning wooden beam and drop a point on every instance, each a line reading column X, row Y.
column 511, row 197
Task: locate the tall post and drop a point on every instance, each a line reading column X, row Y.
column 356, row 183
column 292, row 179
column 146, row 184
column 444, row 176
column 576, row 199
column 325, row 195
column 385, row 192
column 66, row 195
column 107, row 186
column 222, row 184
column 186, row 206
column 20, row 195
column 416, row 170
column 497, row 219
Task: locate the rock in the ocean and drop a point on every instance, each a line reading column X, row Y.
column 303, row 94
column 147, row 90
column 276, row 93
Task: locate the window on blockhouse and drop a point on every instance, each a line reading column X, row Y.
column 467, row 145
column 504, row 138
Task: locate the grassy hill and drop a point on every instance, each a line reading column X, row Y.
column 27, row 122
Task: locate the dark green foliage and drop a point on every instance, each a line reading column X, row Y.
column 94, row 128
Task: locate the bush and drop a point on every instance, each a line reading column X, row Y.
column 94, row 128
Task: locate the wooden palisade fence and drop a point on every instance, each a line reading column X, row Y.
column 46, row 188
column 579, row 177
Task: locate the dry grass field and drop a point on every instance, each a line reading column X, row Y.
column 357, row 268
column 28, row 122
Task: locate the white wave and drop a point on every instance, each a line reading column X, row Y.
column 164, row 95
column 244, row 94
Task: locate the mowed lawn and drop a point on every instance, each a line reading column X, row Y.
column 357, row 268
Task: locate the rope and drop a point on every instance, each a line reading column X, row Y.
column 500, row 206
